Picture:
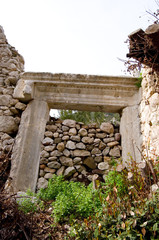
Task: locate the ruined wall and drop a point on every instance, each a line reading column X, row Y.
column 11, row 67
column 78, row 151
column 149, row 113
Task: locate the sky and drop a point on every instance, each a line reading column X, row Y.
column 74, row 36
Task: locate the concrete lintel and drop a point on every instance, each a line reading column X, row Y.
column 26, row 151
column 80, row 92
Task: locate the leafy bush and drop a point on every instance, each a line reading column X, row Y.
column 70, row 198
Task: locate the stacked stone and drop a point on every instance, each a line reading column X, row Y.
column 77, row 151
column 149, row 113
column 11, row 67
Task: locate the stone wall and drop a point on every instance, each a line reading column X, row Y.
column 78, row 151
column 149, row 113
column 11, row 67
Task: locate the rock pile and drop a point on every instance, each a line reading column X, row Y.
column 11, row 67
column 78, row 151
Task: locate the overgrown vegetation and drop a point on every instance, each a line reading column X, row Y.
column 122, row 207
column 88, row 117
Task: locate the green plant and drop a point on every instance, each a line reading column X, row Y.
column 139, row 81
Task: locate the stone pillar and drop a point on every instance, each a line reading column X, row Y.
column 131, row 134
column 26, row 151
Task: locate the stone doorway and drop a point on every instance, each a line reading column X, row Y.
column 43, row 91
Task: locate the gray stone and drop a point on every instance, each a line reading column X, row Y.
column 48, row 134
column 80, row 146
column 54, row 164
column 20, row 106
column 55, row 153
column 49, row 170
column 60, row 171
column 87, row 140
column 107, row 140
column 115, row 152
column 72, row 132
column 83, row 132
column 56, row 135
column 95, row 151
column 101, row 135
column 80, row 168
column 66, row 161
column 69, row 171
column 98, row 159
column 60, row 146
column 103, row 166
column 76, row 160
column 89, row 162
column 41, row 173
column 65, row 128
column 112, row 144
column 47, row 141
column 102, row 145
column 51, row 128
column 75, row 138
column 57, row 140
column 81, row 153
column 107, row 127
column 66, row 152
column 117, row 137
column 65, row 138
column 69, row 123
column 71, row 145
column 49, row 148
column 52, row 159
column 5, row 100
column 44, row 154
column 8, row 124
column 106, row 151
column 42, row 183
column 48, row 175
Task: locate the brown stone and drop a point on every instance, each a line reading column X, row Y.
column 89, row 162
column 107, row 127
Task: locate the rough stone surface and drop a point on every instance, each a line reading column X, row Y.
column 107, row 127
column 8, row 124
